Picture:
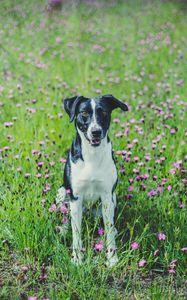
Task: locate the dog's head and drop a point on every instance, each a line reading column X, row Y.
column 92, row 115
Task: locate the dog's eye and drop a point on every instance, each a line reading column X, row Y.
column 84, row 113
column 104, row 113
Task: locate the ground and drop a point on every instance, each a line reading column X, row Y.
column 135, row 50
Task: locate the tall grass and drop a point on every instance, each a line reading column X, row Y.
column 135, row 50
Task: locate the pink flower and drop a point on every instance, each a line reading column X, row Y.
column 135, row 171
column 35, row 152
column 24, row 269
column 159, row 189
column 8, row 124
column 6, row 148
column 118, row 152
column 64, row 210
column 116, row 120
column 136, row 158
column 134, row 246
column 173, row 171
column 162, row 158
column 129, row 146
column 126, row 131
column 173, row 131
column 27, row 175
column 147, row 157
column 40, row 163
column 142, row 263
column 156, row 252
column 65, row 220
column 145, row 176
column 32, row 298
column 62, row 160
column 101, row 231
column 58, row 40
column 31, row 110
column 181, row 205
column 130, row 188
column 38, row 175
column 161, row 236
column 52, row 208
column 141, row 164
column 47, row 188
column 119, row 134
column 99, row 246
column 169, row 187
column 122, row 171
column 184, row 249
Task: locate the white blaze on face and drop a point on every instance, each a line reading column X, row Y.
column 93, row 125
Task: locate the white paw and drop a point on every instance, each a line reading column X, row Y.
column 77, row 258
column 112, row 261
column 61, row 194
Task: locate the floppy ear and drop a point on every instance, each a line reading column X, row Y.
column 115, row 103
column 70, row 105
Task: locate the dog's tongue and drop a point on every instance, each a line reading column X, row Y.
column 96, row 141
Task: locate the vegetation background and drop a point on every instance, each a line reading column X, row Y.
column 135, row 50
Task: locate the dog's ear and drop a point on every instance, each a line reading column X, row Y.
column 70, row 105
column 115, row 103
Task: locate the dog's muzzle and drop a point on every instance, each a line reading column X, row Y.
column 96, row 136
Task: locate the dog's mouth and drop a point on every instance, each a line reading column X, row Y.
column 95, row 142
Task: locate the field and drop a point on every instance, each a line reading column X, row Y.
column 135, row 50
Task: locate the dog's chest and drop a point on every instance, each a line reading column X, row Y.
column 95, row 176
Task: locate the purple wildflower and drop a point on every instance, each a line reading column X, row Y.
column 64, row 209
column 156, row 252
column 52, row 208
column 184, row 249
column 142, row 263
column 101, row 231
column 99, row 246
column 134, row 246
column 161, row 236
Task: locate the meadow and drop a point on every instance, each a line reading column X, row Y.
column 135, row 50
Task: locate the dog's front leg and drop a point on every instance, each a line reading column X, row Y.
column 108, row 207
column 76, row 222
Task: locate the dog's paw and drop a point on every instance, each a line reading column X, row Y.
column 77, row 259
column 112, row 261
column 61, row 195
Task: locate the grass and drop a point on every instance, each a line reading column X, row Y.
column 135, row 50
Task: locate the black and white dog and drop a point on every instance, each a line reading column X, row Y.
column 90, row 173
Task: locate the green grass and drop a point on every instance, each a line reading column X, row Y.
column 135, row 50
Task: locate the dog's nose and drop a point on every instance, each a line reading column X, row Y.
column 96, row 132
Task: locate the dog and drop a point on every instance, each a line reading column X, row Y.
column 90, row 173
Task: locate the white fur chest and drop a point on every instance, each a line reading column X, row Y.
column 96, row 174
